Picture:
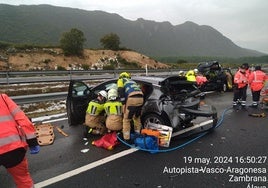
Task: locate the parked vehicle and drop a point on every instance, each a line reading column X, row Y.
column 219, row 78
column 168, row 101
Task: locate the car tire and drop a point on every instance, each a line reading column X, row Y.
column 152, row 118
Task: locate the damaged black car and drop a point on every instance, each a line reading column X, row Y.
column 218, row 78
column 168, row 101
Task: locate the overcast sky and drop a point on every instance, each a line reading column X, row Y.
column 245, row 22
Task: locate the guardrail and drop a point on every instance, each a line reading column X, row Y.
column 27, row 99
column 16, row 77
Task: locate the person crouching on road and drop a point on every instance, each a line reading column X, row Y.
column 132, row 97
column 256, row 81
column 240, row 87
column 113, row 109
column 95, row 115
column 17, row 133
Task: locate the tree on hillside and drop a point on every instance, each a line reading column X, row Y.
column 72, row 42
column 110, row 41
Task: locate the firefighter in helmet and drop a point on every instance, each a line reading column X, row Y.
column 131, row 96
column 95, row 114
column 113, row 109
column 190, row 75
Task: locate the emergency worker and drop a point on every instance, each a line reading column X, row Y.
column 240, row 87
column 190, row 76
column 95, row 114
column 256, row 82
column 113, row 109
column 132, row 97
column 17, row 133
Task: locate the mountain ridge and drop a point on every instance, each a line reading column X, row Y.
column 44, row 24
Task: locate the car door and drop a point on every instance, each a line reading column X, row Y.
column 79, row 95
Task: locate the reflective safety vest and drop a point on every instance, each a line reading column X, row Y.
column 240, row 79
column 95, row 107
column 190, row 76
column 11, row 137
column 128, row 85
column 113, row 108
column 256, row 80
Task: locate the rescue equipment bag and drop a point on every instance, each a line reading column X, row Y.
column 108, row 141
column 146, row 142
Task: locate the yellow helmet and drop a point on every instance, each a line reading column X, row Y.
column 125, row 75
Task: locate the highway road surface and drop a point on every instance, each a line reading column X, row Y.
column 233, row 155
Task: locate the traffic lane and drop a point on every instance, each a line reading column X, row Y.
column 64, row 154
column 224, row 148
column 239, row 135
column 61, row 156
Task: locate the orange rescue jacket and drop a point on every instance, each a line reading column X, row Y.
column 240, row 79
column 10, row 117
column 256, row 80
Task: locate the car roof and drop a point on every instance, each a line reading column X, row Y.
column 150, row 79
column 208, row 64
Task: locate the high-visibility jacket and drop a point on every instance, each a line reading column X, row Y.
column 190, row 76
column 11, row 116
column 114, row 111
column 240, row 79
column 256, row 80
column 127, row 86
column 95, row 107
column 113, row 108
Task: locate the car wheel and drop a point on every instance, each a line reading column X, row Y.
column 153, row 118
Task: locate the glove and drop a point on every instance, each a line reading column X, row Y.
column 34, row 149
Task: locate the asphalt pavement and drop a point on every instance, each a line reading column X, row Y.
column 233, row 155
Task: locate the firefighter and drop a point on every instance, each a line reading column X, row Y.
column 256, row 82
column 17, row 133
column 113, row 109
column 95, row 114
column 190, row 76
column 132, row 98
column 240, row 87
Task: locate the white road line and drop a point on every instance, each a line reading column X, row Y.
column 55, row 120
column 84, row 168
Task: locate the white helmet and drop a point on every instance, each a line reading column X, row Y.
column 112, row 94
column 195, row 71
column 181, row 73
column 103, row 93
